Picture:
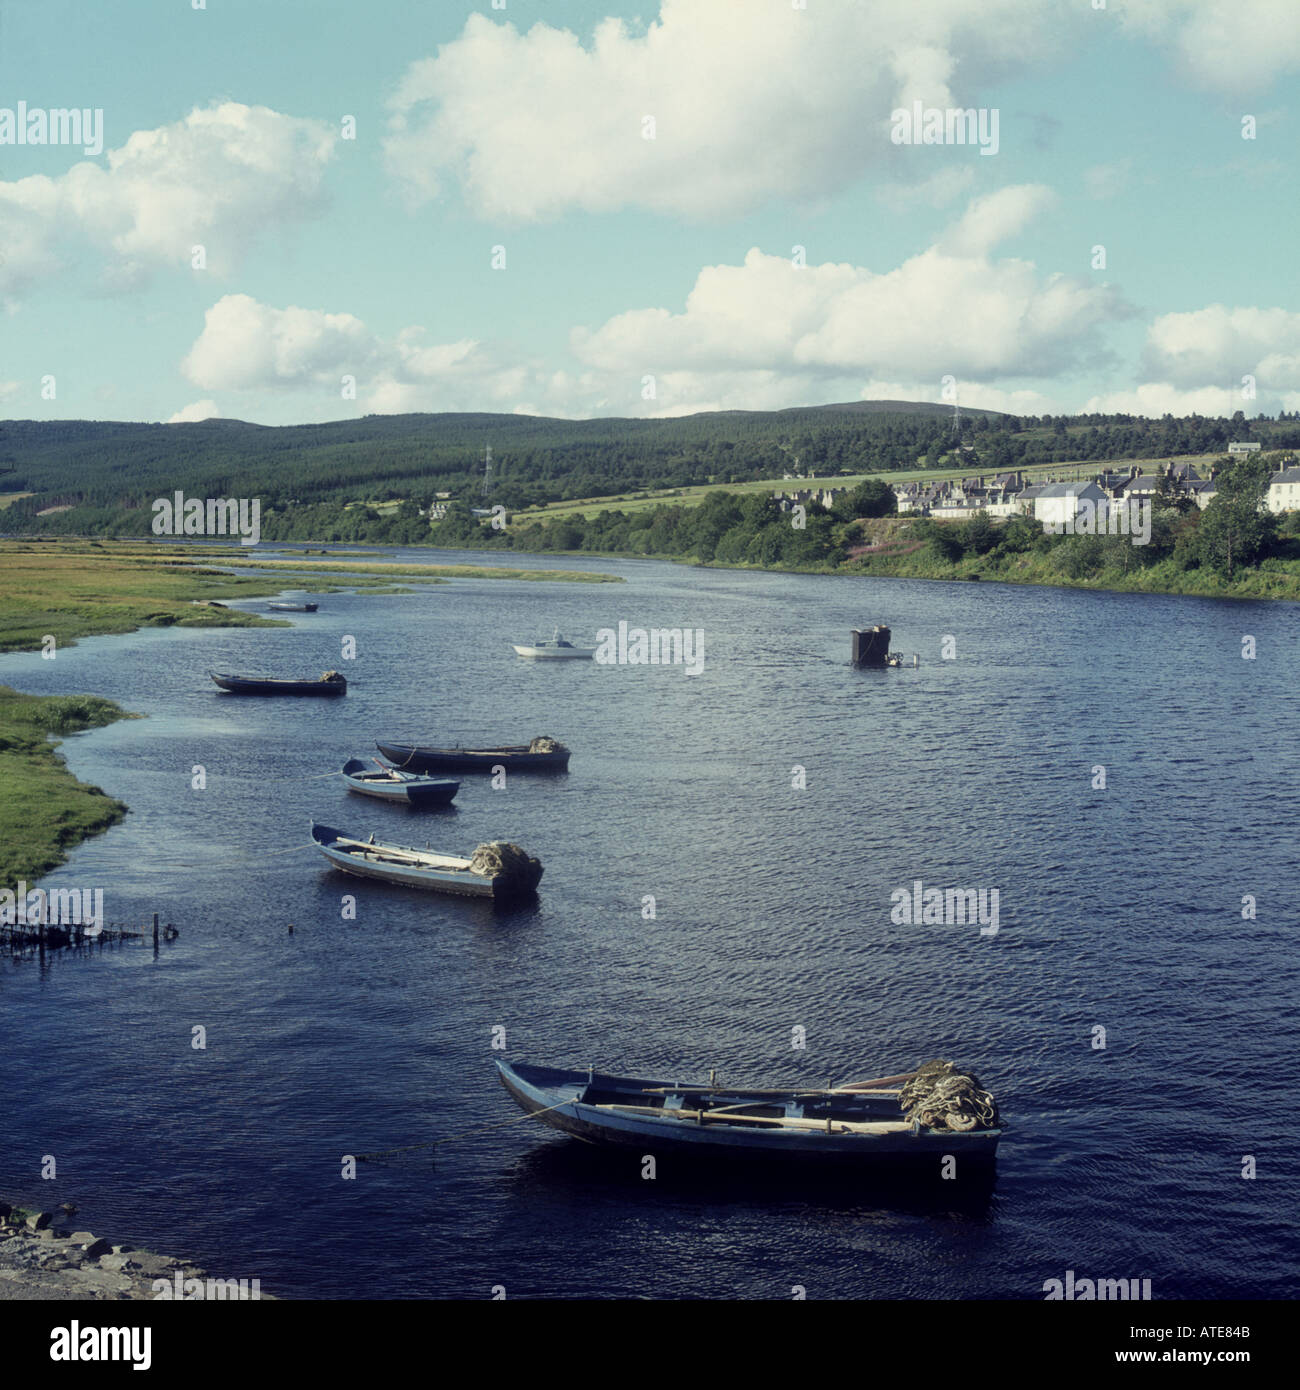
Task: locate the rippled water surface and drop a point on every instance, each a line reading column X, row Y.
column 1120, row 909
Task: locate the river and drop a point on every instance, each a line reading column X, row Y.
column 1120, row 909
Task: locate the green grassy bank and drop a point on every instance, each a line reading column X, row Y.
column 44, row 809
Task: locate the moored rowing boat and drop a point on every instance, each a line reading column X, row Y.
column 497, row 870
column 541, row 755
column 866, row 1120
column 331, row 683
column 388, row 784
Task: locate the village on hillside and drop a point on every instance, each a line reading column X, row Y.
column 1060, row 501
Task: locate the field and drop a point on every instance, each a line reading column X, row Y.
column 692, row 496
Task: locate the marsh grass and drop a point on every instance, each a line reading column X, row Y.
column 44, row 809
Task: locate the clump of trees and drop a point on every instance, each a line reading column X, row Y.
column 725, row 527
column 1237, row 529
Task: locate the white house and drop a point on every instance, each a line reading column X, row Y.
column 1062, row 504
column 1283, row 493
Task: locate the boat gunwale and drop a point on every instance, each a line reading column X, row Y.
column 454, row 863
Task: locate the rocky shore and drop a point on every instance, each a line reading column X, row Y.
column 43, row 1257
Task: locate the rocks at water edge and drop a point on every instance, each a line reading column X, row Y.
column 41, row 1261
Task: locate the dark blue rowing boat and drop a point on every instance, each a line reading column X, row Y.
column 388, row 784
column 541, row 755
column 331, row 683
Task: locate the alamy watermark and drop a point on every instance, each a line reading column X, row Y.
column 1124, row 518
column 935, row 125
column 945, row 907
column 1101, row 1290
column 53, row 907
column 211, row 516
column 60, row 125
column 196, row 1290
column 656, row 646
column 95, row 1343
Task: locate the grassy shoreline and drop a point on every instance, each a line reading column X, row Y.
column 73, row 589
column 1158, row 580
column 45, row 810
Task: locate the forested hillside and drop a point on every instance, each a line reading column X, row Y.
column 106, row 474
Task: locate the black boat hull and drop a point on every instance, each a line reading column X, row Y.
column 243, row 685
column 411, row 757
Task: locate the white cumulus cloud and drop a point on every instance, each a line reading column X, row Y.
column 1233, row 46
column 763, row 334
column 1221, row 345
column 954, row 309
column 1156, row 398
column 1215, row 361
column 246, row 345
column 219, row 179
column 197, row 410
column 749, row 99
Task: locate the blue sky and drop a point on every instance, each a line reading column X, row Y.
column 648, row 276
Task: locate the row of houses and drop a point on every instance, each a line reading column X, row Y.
column 1009, row 494
column 808, row 497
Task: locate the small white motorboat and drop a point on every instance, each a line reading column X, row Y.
column 556, row 649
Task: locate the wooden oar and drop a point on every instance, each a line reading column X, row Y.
column 877, row 1083
column 757, row 1091
column 703, row 1116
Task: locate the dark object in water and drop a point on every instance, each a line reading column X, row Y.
column 871, row 649
column 862, row 1121
column 331, row 683
column 871, row 646
column 284, row 606
column 541, row 754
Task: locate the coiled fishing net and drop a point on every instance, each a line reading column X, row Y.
column 501, row 859
column 544, row 743
column 940, row 1097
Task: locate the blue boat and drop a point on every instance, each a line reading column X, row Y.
column 541, row 755
column 331, row 683
column 389, row 784
column 921, row 1115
